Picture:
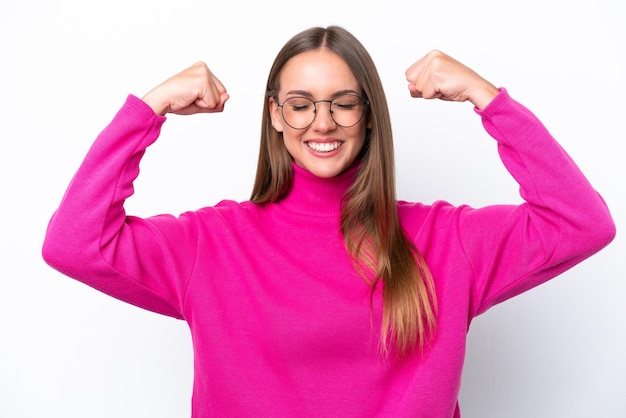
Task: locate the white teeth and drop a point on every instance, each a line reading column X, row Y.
column 325, row 147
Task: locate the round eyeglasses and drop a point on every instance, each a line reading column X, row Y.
column 346, row 110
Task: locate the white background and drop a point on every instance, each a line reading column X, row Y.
column 67, row 66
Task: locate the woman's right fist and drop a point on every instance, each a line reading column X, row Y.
column 193, row 90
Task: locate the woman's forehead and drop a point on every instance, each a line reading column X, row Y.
column 318, row 70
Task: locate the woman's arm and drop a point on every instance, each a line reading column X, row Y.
column 145, row 262
column 563, row 220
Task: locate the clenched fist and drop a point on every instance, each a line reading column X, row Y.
column 194, row 90
column 439, row 76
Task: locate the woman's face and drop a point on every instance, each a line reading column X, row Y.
column 324, row 148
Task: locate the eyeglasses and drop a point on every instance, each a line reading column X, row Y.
column 346, row 110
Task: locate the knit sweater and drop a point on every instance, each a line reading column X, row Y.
column 281, row 323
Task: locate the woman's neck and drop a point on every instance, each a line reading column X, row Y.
column 317, row 196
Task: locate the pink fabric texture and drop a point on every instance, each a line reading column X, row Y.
column 280, row 321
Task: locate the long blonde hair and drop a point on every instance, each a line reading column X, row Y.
column 369, row 215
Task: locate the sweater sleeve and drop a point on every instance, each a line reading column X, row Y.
column 90, row 238
column 562, row 222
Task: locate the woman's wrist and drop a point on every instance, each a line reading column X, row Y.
column 158, row 106
column 482, row 96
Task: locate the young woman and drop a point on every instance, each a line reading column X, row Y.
column 323, row 295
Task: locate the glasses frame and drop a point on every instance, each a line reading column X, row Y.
column 365, row 102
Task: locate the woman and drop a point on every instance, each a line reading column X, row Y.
column 323, row 295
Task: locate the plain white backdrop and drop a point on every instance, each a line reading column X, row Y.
column 67, row 66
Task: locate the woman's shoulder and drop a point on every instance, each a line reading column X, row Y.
column 227, row 209
column 416, row 216
column 439, row 208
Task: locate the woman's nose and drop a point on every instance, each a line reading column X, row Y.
column 323, row 121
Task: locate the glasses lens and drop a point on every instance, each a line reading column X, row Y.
column 347, row 110
column 298, row 112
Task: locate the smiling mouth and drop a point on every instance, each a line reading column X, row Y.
column 324, row 147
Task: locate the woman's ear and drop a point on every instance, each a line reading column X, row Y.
column 277, row 119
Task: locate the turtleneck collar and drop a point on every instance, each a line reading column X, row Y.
column 317, row 196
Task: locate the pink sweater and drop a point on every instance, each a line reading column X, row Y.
column 280, row 321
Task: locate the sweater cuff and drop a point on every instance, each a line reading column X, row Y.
column 143, row 108
column 500, row 100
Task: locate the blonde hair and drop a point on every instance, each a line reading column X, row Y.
column 369, row 216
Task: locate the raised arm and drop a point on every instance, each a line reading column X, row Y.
column 145, row 262
column 563, row 220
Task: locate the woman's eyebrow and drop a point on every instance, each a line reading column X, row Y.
column 309, row 94
column 299, row 93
